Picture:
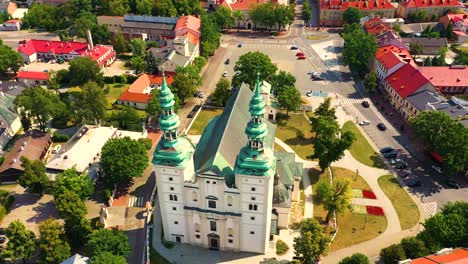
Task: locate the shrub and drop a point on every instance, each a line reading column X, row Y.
column 414, row 247
column 9, row 201
column 57, row 137
column 147, row 142
column 281, row 247
column 168, row 244
column 107, row 194
column 109, row 79
column 2, row 212
column 392, row 254
column 2, row 159
column 106, row 90
column 131, row 79
column 3, row 194
column 356, row 258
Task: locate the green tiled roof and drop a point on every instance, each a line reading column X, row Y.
column 287, row 168
column 6, row 108
column 224, row 137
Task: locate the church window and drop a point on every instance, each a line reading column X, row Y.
column 212, row 204
column 253, row 189
column 197, row 236
column 230, row 232
column 250, row 206
column 252, row 198
column 254, row 207
column 175, row 199
column 194, row 196
column 214, row 182
column 229, row 200
column 207, row 182
column 252, row 232
column 174, row 209
column 197, row 227
column 171, row 197
column 213, row 225
column 230, row 241
column 170, row 179
column 176, row 223
column 252, row 218
column 171, row 188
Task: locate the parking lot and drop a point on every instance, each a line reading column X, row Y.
column 12, row 38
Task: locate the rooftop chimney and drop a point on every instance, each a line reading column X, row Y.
column 90, row 39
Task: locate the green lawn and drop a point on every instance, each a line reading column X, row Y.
column 115, row 90
column 316, row 37
column 203, row 117
column 350, row 225
column 278, row 148
column 407, row 210
column 361, row 149
column 295, row 131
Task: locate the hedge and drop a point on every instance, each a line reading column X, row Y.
column 129, row 79
column 57, row 137
column 2, row 212
column 281, row 247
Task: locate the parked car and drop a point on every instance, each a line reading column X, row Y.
column 395, row 161
column 271, row 37
column 390, row 155
column 365, row 104
column 294, row 48
column 413, row 183
column 364, row 123
column 239, row 45
column 196, row 108
column 437, row 168
column 2, row 239
column 199, row 94
column 386, row 149
column 225, row 74
column 381, row 126
column 453, row 184
column 316, row 76
column 401, row 165
column 300, row 54
column 227, row 61
column 309, row 93
column 301, row 58
column 191, row 114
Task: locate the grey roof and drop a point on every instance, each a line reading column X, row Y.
column 76, row 259
column 147, row 26
column 455, row 107
column 281, row 194
column 416, row 27
column 7, row 108
column 421, row 99
column 151, row 19
column 224, row 137
column 3, row 5
column 430, row 45
column 12, row 88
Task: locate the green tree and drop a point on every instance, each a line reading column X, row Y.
column 111, row 241
column 143, row 7
column 4, row 16
column 199, row 62
column 249, row 65
column 107, row 257
column 21, row 242
column 119, row 43
column 118, row 8
column 127, row 119
column 91, row 104
column 138, row 64
column 42, row 17
column 238, row 17
column 152, row 64
column 85, row 21
column 83, row 70
column 71, row 180
column 10, row 60
column 358, row 49
column 416, row 48
column 371, row 81
column 414, row 247
column 77, row 231
column 449, row 31
column 164, row 8
column 324, row 109
column 306, row 12
column 186, row 82
column 70, row 206
column 122, row 159
column 352, row 15
column 224, row 17
column 392, row 254
column 210, row 35
column 222, row 92
column 281, row 81
column 138, row 47
column 356, row 258
column 53, row 248
column 336, row 197
column 34, row 177
column 289, row 99
column 312, row 242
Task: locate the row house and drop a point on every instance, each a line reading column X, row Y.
column 389, row 59
column 448, row 80
column 432, row 7
column 460, row 25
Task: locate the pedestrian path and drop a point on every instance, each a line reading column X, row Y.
column 348, row 101
column 138, row 201
column 430, row 209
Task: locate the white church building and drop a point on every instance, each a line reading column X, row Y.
column 231, row 191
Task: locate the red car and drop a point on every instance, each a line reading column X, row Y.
column 301, row 58
column 300, row 54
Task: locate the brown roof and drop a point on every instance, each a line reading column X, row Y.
column 31, row 145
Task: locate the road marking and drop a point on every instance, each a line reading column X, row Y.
column 194, row 100
column 430, row 209
column 136, row 201
column 348, row 101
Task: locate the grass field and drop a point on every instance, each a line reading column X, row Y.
column 203, row 117
column 316, row 37
column 407, row 210
column 278, row 148
column 361, row 149
column 115, row 90
column 295, row 131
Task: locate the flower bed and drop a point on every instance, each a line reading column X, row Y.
column 358, row 209
column 357, row 193
column 374, row 210
column 368, row 194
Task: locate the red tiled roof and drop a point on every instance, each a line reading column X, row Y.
column 13, row 21
column 362, row 5
column 195, row 40
column 406, row 80
column 56, row 47
column 33, row 75
column 457, row 256
column 135, row 97
column 428, row 3
column 241, row 4
column 98, row 51
column 390, row 56
column 444, row 76
column 190, row 22
column 135, row 92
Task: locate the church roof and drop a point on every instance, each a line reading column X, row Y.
column 287, row 168
column 225, row 135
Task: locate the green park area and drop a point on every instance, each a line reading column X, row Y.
column 361, row 149
column 407, row 210
column 295, row 131
column 202, row 120
column 353, row 227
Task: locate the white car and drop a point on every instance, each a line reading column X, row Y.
column 395, row 161
column 225, row 74
column 364, row 123
column 437, row 168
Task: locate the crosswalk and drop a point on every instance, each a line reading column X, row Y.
column 348, row 101
column 430, row 209
column 138, row 201
column 267, row 44
column 195, row 100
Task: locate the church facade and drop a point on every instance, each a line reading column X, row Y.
column 225, row 192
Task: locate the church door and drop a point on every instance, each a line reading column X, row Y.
column 213, row 240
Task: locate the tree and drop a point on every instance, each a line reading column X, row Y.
column 199, row 62
column 306, row 12
column 210, row 35
column 371, row 81
column 323, row 110
column 336, row 197
column 138, row 47
column 358, row 49
column 122, row 159
column 186, row 82
column 85, row 21
column 143, row 7
column 34, row 177
column 111, row 241
column 119, row 43
column 70, row 206
column 311, row 243
column 83, row 70
column 138, row 64
column 53, row 248
column 414, row 247
column 164, row 8
column 449, row 31
column 77, row 231
column 352, row 15
column 222, row 92
column 392, row 254
column 71, row 180
column 224, row 17
column 356, row 258
column 416, row 48
column 42, row 17
column 281, row 81
column 289, row 99
column 127, row 119
column 249, row 65
column 21, row 242
column 106, row 258
column 91, row 104
column 238, row 17
column 118, row 7
column 152, row 64
column 10, row 60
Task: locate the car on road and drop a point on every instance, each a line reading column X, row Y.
column 401, row 165
column 453, row 184
column 386, row 149
column 364, row 123
column 300, row 54
column 2, row 239
column 199, row 94
column 316, row 76
column 413, row 183
column 301, row 57
column 294, row 48
column 437, row 168
column 365, row 104
column 381, row 126
column 225, row 74
column 227, row 61
column 309, row 93
column 191, row 115
column 196, row 108
column 271, row 37
column 239, row 45
column 390, row 155
column 395, row 161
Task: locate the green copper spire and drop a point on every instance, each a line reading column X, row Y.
column 256, row 129
column 168, row 120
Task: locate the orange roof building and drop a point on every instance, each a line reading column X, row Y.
column 446, row 256
column 331, row 11
column 376, row 27
column 389, row 59
column 432, row 7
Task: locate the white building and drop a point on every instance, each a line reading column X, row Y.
column 225, row 193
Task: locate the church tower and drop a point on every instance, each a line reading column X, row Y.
column 254, row 173
column 173, row 165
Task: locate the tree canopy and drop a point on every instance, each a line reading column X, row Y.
column 356, row 258
column 312, row 242
column 53, row 248
column 112, row 241
column 34, row 177
column 122, row 159
column 359, row 47
column 71, row 180
column 127, row 119
column 107, row 257
column 289, row 98
column 10, row 60
column 21, row 242
column 210, row 35
column 186, row 81
column 138, row 47
column 249, row 65
column 222, row 92
column 392, row 254
column 352, row 15
column 91, row 104
column 269, row 15
column 83, row 70
column 281, row 81
column 336, row 197
column 70, row 206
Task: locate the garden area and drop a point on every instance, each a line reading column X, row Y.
column 202, row 120
column 357, row 224
column 295, row 131
column 407, row 210
column 361, row 150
